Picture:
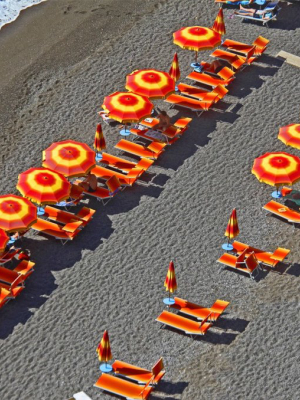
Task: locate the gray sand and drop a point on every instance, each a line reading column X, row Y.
column 111, row 277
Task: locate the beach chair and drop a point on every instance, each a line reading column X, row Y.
column 106, row 194
column 183, row 324
column 233, row 60
column 153, row 150
column 194, row 105
column 179, row 123
column 259, row 44
column 123, row 388
column 124, row 179
column 269, row 13
column 194, row 310
column 282, row 211
column 5, row 296
column 264, row 257
column 124, row 165
column 63, row 233
column 140, row 375
column 12, row 278
column 76, row 195
column 14, row 291
column 24, row 268
column 249, row 266
column 9, row 256
column 225, row 76
column 65, row 217
column 201, row 94
column 105, row 117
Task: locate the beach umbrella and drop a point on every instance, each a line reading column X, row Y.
column 104, row 353
column 150, row 83
column 174, row 70
column 43, row 186
column 170, row 283
column 277, row 169
column 69, row 158
column 3, row 240
column 219, row 24
column 127, row 107
column 196, row 38
column 99, row 142
column 290, row 135
column 16, row 213
column 232, row 230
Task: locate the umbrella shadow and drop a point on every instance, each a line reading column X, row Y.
column 170, row 388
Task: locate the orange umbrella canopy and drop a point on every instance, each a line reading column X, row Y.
column 170, row 281
column 277, row 168
column 69, row 158
column 3, row 240
column 99, row 142
column 43, row 186
column 103, row 349
column 174, row 70
column 232, row 229
column 16, row 213
column 219, row 25
column 197, row 38
column 290, row 135
column 151, row 83
column 127, row 107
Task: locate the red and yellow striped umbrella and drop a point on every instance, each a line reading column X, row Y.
column 3, row 240
column 43, row 186
column 16, row 213
column 151, row 83
column 277, row 168
column 170, row 281
column 99, row 142
column 219, row 24
column 232, row 229
column 290, row 135
column 127, row 107
column 197, row 38
column 69, row 158
column 174, row 70
column 103, row 349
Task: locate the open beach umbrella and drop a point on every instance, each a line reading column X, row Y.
column 127, row 107
column 197, row 38
column 290, row 135
column 170, row 283
column 232, row 230
column 43, row 186
column 277, row 169
column 219, row 24
column 104, row 353
column 151, row 83
column 3, row 240
column 69, row 158
column 16, row 213
column 99, row 142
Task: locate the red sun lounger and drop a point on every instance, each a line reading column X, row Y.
column 184, row 324
column 225, row 76
column 139, row 375
column 194, row 105
column 63, row 233
column 259, row 44
column 65, row 217
column 179, row 123
column 123, row 388
column 152, row 151
column 124, row 165
column 266, row 258
column 12, row 278
column 234, row 60
column 201, row 94
column 200, row 312
column 5, row 296
column 9, row 256
column 283, row 211
column 24, row 268
column 106, row 194
column 13, row 291
column 249, row 266
column 124, row 179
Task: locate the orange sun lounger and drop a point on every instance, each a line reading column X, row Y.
column 260, row 45
column 200, row 312
column 12, row 278
column 264, row 257
column 62, row 233
column 249, row 266
column 124, row 179
column 13, row 291
column 124, row 165
column 224, row 77
column 179, row 123
column 5, row 296
column 283, row 211
column 123, row 388
column 64, row 217
column 140, row 375
column 215, row 95
column 234, row 60
column 194, row 105
column 10, row 255
column 152, row 151
column 24, row 268
column 184, row 324
column 106, row 194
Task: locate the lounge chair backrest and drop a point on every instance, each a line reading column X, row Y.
column 146, row 388
column 251, row 53
column 261, row 42
column 220, row 90
column 113, row 184
column 159, row 366
column 76, row 191
column 241, row 257
column 251, row 262
column 204, row 320
column 225, row 73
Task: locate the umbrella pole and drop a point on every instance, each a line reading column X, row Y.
column 196, row 57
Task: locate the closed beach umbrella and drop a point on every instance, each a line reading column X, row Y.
column 69, row 158
column 197, row 38
column 104, row 353
column 3, row 240
column 277, row 169
column 219, row 25
column 16, row 213
column 170, row 283
column 151, row 83
column 290, row 135
column 232, row 230
column 99, row 142
column 174, row 70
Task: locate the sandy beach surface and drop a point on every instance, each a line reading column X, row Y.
column 58, row 61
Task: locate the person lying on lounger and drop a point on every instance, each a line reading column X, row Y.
column 90, row 183
column 164, row 121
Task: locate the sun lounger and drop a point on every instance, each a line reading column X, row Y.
column 184, row 324
column 233, row 60
column 65, row 217
column 76, row 195
column 24, row 268
column 5, row 296
column 123, row 388
column 260, row 45
column 139, row 375
column 124, row 165
column 225, row 76
column 199, row 312
column 124, row 179
column 201, row 94
column 249, row 266
column 179, row 123
column 152, row 151
column 14, row 291
column 63, row 233
column 266, row 15
column 283, row 211
column 9, row 256
column 106, row 194
column 194, row 105
column 11, row 278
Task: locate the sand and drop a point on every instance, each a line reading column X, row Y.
column 66, row 58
